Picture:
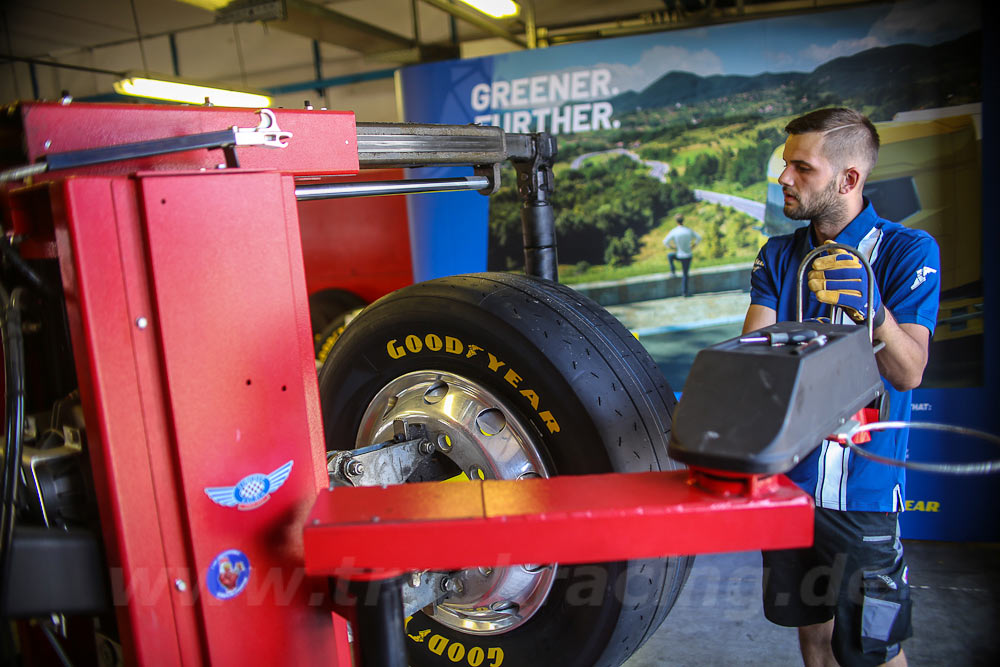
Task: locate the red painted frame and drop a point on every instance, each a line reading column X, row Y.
column 186, row 296
column 372, row 532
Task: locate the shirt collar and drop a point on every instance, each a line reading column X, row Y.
column 858, row 228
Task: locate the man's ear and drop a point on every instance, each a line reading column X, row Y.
column 851, row 180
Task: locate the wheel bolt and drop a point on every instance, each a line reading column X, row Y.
column 452, row 585
column 355, row 468
column 427, row 447
column 508, row 606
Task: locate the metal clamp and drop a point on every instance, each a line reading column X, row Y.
column 800, row 279
column 267, row 133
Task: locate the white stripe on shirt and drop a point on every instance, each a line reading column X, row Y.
column 831, row 487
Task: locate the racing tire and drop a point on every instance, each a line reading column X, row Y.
column 328, row 305
column 586, row 397
column 327, row 338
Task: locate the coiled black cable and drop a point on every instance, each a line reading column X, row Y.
column 984, row 468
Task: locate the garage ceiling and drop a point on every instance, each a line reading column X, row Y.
column 274, row 43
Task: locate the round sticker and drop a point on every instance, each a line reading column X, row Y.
column 228, row 574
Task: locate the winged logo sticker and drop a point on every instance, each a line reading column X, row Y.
column 252, row 491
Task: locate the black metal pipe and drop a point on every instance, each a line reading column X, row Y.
column 539, row 228
column 535, row 156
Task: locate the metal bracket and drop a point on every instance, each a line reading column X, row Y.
column 267, row 133
column 33, row 458
column 535, row 180
column 390, row 462
column 421, row 589
column 491, row 172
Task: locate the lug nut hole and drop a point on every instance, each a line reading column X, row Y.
column 435, row 392
column 491, row 421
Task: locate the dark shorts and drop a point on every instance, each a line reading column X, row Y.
column 854, row 573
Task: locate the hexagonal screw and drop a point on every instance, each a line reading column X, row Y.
column 426, row 447
column 354, row 468
column 415, row 579
column 452, row 585
column 180, row 585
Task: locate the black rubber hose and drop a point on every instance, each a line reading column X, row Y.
column 13, row 354
column 18, row 264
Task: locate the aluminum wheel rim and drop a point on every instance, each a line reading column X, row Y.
column 485, row 438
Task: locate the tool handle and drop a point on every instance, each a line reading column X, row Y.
column 140, row 149
column 807, row 261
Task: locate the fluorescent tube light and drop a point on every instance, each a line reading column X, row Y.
column 190, row 93
column 498, row 9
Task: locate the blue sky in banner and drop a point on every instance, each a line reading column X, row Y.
column 448, row 92
column 793, row 43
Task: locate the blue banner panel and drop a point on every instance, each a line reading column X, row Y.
column 687, row 126
column 448, row 232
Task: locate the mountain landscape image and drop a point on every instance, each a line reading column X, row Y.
column 696, row 145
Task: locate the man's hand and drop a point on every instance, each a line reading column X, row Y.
column 838, row 278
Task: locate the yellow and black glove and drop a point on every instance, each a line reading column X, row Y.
column 838, row 278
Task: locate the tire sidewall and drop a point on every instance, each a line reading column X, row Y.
column 504, row 341
column 496, row 356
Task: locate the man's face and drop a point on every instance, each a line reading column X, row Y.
column 809, row 181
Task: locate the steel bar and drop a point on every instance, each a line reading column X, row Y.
column 378, row 188
column 413, row 144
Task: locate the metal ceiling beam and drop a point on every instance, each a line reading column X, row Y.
column 662, row 21
column 326, row 25
column 475, row 18
column 311, row 20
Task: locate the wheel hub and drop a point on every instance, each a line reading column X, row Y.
column 486, row 439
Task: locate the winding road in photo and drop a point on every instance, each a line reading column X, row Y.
column 754, row 209
column 657, row 169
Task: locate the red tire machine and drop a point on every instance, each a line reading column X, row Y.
column 174, row 237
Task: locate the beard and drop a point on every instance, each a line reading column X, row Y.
column 824, row 204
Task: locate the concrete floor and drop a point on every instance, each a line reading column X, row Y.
column 718, row 619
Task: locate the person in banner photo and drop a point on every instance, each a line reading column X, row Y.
column 848, row 594
column 682, row 239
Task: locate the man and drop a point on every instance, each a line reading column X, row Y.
column 848, row 594
column 682, row 239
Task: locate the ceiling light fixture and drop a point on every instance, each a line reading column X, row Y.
column 161, row 88
column 498, row 9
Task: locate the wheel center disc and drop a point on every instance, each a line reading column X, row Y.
column 486, row 439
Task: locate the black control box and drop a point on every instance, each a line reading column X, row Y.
column 762, row 405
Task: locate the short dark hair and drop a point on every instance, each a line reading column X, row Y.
column 680, row 219
column 855, row 136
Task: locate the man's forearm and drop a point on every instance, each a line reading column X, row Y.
column 904, row 357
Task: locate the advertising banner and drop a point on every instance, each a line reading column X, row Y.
column 685, row 129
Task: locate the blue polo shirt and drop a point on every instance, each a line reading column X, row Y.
column 907, row 268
